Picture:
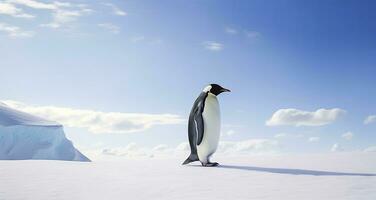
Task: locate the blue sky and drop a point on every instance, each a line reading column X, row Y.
column 149, row 57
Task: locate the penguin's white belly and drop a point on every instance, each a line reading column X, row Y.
column 212, row 125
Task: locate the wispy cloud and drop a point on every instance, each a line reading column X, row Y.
column 285, row 135
column 96, row 121
column 252, row 34
column 231, row 31
column 156, row 42
column 213, row 46
column 233, row 126
column 248, row 146
column 297, row 117
column 11, row 10
column 110, row 27
column 230, row 132
column 370, row 149
column 336, row 148
column 184, row 146
column 15, row 32
column 137, row 39
column 347, row 135
column 65, row 14
column 62, row 12
column 160, row 148
column 146, row 40
column 370, row 119
column 313, row 139
column 280, row 135
column 35, row 4
column 115, row 10
column 242, row 146
column 133, row 150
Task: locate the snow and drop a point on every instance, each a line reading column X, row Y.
column 24, row 136
column 342, row 176
column 12, row 117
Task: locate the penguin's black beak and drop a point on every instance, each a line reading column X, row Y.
column 225, row 90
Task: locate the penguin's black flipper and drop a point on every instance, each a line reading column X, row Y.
column 191, row 158
column 199, row 123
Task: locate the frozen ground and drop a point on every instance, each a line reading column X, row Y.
column 327, row 176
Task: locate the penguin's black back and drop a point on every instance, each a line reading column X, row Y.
column 196, row 126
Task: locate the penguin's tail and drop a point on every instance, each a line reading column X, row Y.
column 191, row 158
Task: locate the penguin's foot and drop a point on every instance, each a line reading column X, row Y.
column 191, row 158
column 210, row 164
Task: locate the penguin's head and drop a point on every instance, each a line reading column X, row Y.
column 215, row 89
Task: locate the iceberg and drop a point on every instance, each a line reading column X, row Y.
column 25, row 136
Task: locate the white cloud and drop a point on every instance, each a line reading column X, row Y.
column 11, row 10
column 67, row 4
column 51, row 25
column 297, row 117
column 230, row 132
column 232, row 126
column 370, row 149
column 370, row 119
column 184, row 146
column 65, row 16
column 34, row 4
column 285, row 135
column 248, row 146
column 156, row 42
column 347, row 135
column 62, row 12
column 96, row 121
column 234, row 147
column 137, row 39
column 132, row 150
column 213, row 46
column 160, row 147
column 280, row 135
column 115, row 10
column 110, row 27
column 15, row 32
column 252, row 34
column 62, row 17
column 336, row 148
column 313, row 139
column 231, row 31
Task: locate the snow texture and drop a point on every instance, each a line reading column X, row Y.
column 332, row 176
column 24, row 136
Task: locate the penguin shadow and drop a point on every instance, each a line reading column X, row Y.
column 293, row 171
column 290, row 171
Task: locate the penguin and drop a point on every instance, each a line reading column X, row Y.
column 204, row 125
